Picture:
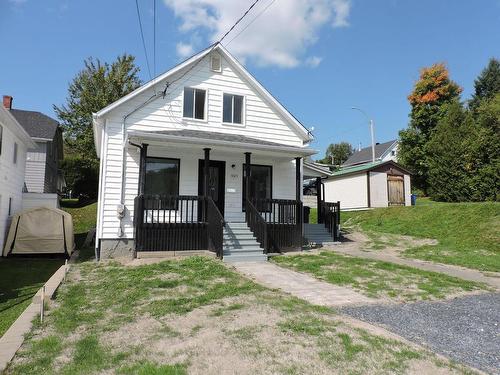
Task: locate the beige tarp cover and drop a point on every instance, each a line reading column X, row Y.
column 40, row 230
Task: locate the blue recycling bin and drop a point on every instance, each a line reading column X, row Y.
column 413, row 199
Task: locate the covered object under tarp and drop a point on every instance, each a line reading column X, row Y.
column 40, row 230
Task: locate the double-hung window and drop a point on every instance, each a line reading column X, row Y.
column 162, row 179
column 194, row 103
column 232, row 112
column 15, row 153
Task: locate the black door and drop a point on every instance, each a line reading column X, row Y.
column 216, row 182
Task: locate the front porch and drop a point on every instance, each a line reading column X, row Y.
column 252, row 184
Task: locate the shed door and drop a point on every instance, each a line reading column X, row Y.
column 395, row 188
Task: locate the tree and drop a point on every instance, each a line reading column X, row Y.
column 431, row 92
column 339, row 151
column 93, row 88
column 487, row 85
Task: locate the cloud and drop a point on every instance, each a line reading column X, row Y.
column 313, row 61
column 280, row 36
column 184, row 49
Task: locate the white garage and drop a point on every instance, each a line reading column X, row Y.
column 379, row 184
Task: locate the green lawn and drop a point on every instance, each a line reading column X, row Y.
column 20, row 279
column 84, row 218
column 378, row 279
column 468, row 234
column 195, row 315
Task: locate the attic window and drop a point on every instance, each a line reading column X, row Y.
column 215, row 63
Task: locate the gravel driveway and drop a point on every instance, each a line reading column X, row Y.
column 465, row 329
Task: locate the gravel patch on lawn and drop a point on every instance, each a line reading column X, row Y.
column 465, row 329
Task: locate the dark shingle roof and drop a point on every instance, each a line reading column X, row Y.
column 36, row 124
column 218, row 137
column 365, row 154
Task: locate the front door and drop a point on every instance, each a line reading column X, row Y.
column 216, row 181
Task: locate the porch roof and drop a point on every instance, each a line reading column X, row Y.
column 205, row 138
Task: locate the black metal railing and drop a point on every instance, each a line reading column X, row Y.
column 215, row 227
column 257, row 224
column 168, row 223
column 331, row 218
column 283, row 222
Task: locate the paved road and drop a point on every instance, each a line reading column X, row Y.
column 466, row 329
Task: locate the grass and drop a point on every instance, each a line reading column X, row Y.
column 20, row 279
column 378, row 279
column 198, row 313
column 84, row 218
column 468, row 234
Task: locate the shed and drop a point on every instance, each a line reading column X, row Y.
column 40, row 230
column 379, row 184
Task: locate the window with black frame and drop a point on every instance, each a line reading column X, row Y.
column 261, row 185
column 162, row 178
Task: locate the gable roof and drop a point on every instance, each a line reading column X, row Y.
column 36, row 124
column 8, row 120
column 367, row 167
column 365, row 154
column 301, row 129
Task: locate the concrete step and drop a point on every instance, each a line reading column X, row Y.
column 253, row 247
column 245, row 258
column 239, row 241
column 256, row 251
column 244, row 236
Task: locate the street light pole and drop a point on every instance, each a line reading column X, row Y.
column 372, row 130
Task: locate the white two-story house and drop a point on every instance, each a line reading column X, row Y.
column 201, row 158
column 14, row 143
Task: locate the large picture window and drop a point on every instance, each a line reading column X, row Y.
column 232, row 111
column 162, row 176
column 194, row 103
column 261, row 182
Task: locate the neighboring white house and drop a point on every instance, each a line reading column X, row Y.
column 383, row 152
column 43, row 178
column 14, row 142
column 379, row 184
column 185, row 140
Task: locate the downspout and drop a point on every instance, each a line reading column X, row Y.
column 120, row 209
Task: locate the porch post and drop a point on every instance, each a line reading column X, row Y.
column 318, row 199
column 205, row 171
column 298, row 180
column 142, row 168
column 248, row 162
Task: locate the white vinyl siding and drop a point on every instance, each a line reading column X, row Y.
column 261, row 122
column 35, row 168
column 12, row 179
column 351, row 191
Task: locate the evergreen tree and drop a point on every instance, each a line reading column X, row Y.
column 487, row 85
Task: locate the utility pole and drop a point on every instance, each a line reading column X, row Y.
column 372, row 130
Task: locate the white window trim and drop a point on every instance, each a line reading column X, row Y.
column 205, row 114
column 243, row 110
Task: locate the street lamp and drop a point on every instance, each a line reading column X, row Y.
column 370, row 122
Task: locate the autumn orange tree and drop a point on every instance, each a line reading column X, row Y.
column 431, row 93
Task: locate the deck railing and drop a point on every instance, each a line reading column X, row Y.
column 257, row 224
column 331, row 218
column 177, row 222
column 283, row 219
column 215, row 227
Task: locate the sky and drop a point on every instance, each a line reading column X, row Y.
column 318, row 57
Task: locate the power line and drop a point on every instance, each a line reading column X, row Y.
column 211, row 48
column 154, row 38
column 252, row 21
column 142, row 37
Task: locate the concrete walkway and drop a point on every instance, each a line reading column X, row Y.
column 456, row 271
column 301, row 285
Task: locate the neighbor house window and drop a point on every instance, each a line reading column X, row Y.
column 1, row 138
column 232, row 111
column 162, row 176
column 194, row 103
column 10, row 206
column 15, row 153
column 261, row 183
